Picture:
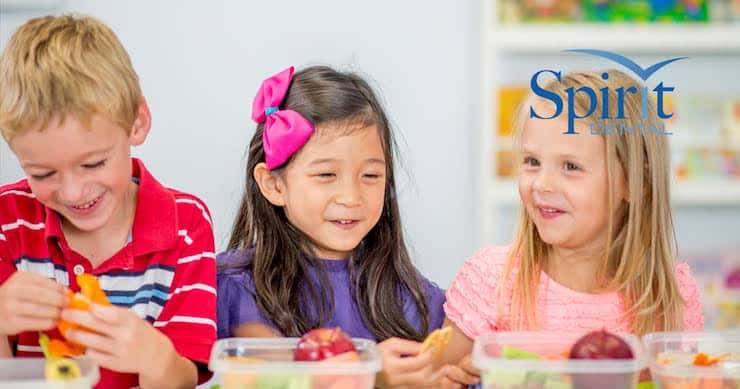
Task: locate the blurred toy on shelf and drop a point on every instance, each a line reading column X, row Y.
column 717, row 273
column 539, row 11
column 629, row 11
column 551, row 10
column 510, row 98
column 706, row 141
column 596, row 10
column 724, row 11
column 615, row 11
column 506, row 164
column 729, row 308
column 695, row 10
column 698, row 163
column 731, row 122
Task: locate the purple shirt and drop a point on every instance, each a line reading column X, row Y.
column 237, row 304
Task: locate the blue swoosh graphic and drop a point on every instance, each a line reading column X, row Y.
column 626, row 62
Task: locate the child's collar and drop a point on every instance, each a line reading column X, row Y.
column 154, row 228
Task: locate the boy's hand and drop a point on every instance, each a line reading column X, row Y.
column 404, row 367
column 123, row 342
column 30, row 302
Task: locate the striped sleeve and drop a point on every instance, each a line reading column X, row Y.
column 6, row 262
column 7, row 268
column 189, row 316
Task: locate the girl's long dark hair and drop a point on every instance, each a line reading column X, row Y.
column 380, row 268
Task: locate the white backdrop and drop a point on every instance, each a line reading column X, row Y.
column 200, row 63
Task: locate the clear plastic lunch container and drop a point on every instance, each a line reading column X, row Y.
column 671, row 356
column 267, row 363
column 28, row 373
column 552, row 370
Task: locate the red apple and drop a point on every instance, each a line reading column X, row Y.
column 600, row 345
column 322, row 343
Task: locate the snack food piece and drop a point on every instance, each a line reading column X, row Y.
column 57, row 368
column 702, row 359
column 90, row 292
column 437, row 339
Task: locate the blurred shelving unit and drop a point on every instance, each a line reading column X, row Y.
column 628, row 38
column 502, row 41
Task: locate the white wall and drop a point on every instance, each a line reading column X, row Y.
column 201, row 62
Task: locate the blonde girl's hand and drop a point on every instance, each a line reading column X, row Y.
column 460, row 375
column 403, row 366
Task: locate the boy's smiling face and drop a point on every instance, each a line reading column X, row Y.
column 83, row 173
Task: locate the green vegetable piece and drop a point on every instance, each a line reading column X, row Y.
column 645, row 385
column 504, row 378
column 508, row 352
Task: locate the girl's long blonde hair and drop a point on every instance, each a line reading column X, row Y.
column 638, row 260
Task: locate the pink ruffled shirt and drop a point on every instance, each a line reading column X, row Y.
column 472, row 300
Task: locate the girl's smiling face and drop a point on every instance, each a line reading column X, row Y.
column 563, row 182
column 333, row 190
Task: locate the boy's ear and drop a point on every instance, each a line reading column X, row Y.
column 271, row 186
column 142, row 124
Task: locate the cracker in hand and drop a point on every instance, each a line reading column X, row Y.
column 437, row 339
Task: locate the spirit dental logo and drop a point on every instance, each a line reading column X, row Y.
column 606, row 126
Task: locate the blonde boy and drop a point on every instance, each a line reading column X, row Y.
column 70, row 109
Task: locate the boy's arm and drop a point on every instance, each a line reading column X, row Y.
column 163, row 354
column 5, row 351
column 6, row 270
column 176, row 372
column 189, row 315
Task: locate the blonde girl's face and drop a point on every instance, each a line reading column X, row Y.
column 334, row 189
column 563, row 182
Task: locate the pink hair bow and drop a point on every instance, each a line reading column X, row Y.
column 286, row 130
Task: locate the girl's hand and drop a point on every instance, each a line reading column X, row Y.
column 124, row 342
column 30, row 302
column 461, row 375
column 403, row 367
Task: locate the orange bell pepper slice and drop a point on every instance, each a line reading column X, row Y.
column 59, row 347
column 90, row 292
column 702, row 359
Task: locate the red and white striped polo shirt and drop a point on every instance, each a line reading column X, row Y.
column 166, row 273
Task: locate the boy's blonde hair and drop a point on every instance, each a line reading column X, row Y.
column 54, row 66
column 638, row 259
